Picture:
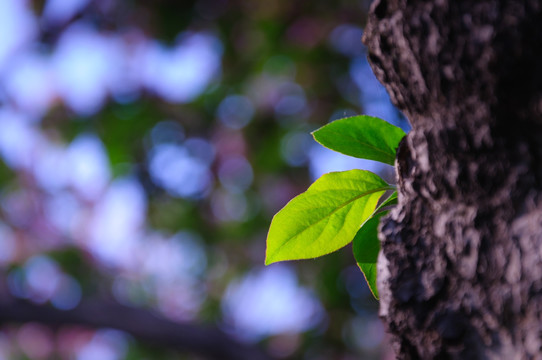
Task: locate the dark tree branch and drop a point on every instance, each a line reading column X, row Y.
column 143, row 324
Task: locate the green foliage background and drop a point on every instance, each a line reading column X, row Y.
column 265, row 44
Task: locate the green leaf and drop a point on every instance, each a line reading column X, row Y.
column 324, row 218
column 366, row 247
column 364, row 137
column 390, row 201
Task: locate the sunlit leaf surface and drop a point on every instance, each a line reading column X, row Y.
column 324, row 218
column 364, row 137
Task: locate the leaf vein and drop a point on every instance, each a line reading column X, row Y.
column 328, row 216
column 377, row 149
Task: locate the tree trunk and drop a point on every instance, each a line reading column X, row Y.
column 460, row 271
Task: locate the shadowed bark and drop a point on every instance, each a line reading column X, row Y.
column 460, row 271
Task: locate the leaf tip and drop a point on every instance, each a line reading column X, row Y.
column 371, row 284
column 269, row 258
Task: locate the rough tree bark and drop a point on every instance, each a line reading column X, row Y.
column 460, row 271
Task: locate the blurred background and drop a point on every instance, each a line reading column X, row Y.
column 144, row 148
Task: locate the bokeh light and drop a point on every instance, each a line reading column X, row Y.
column 144, row 148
